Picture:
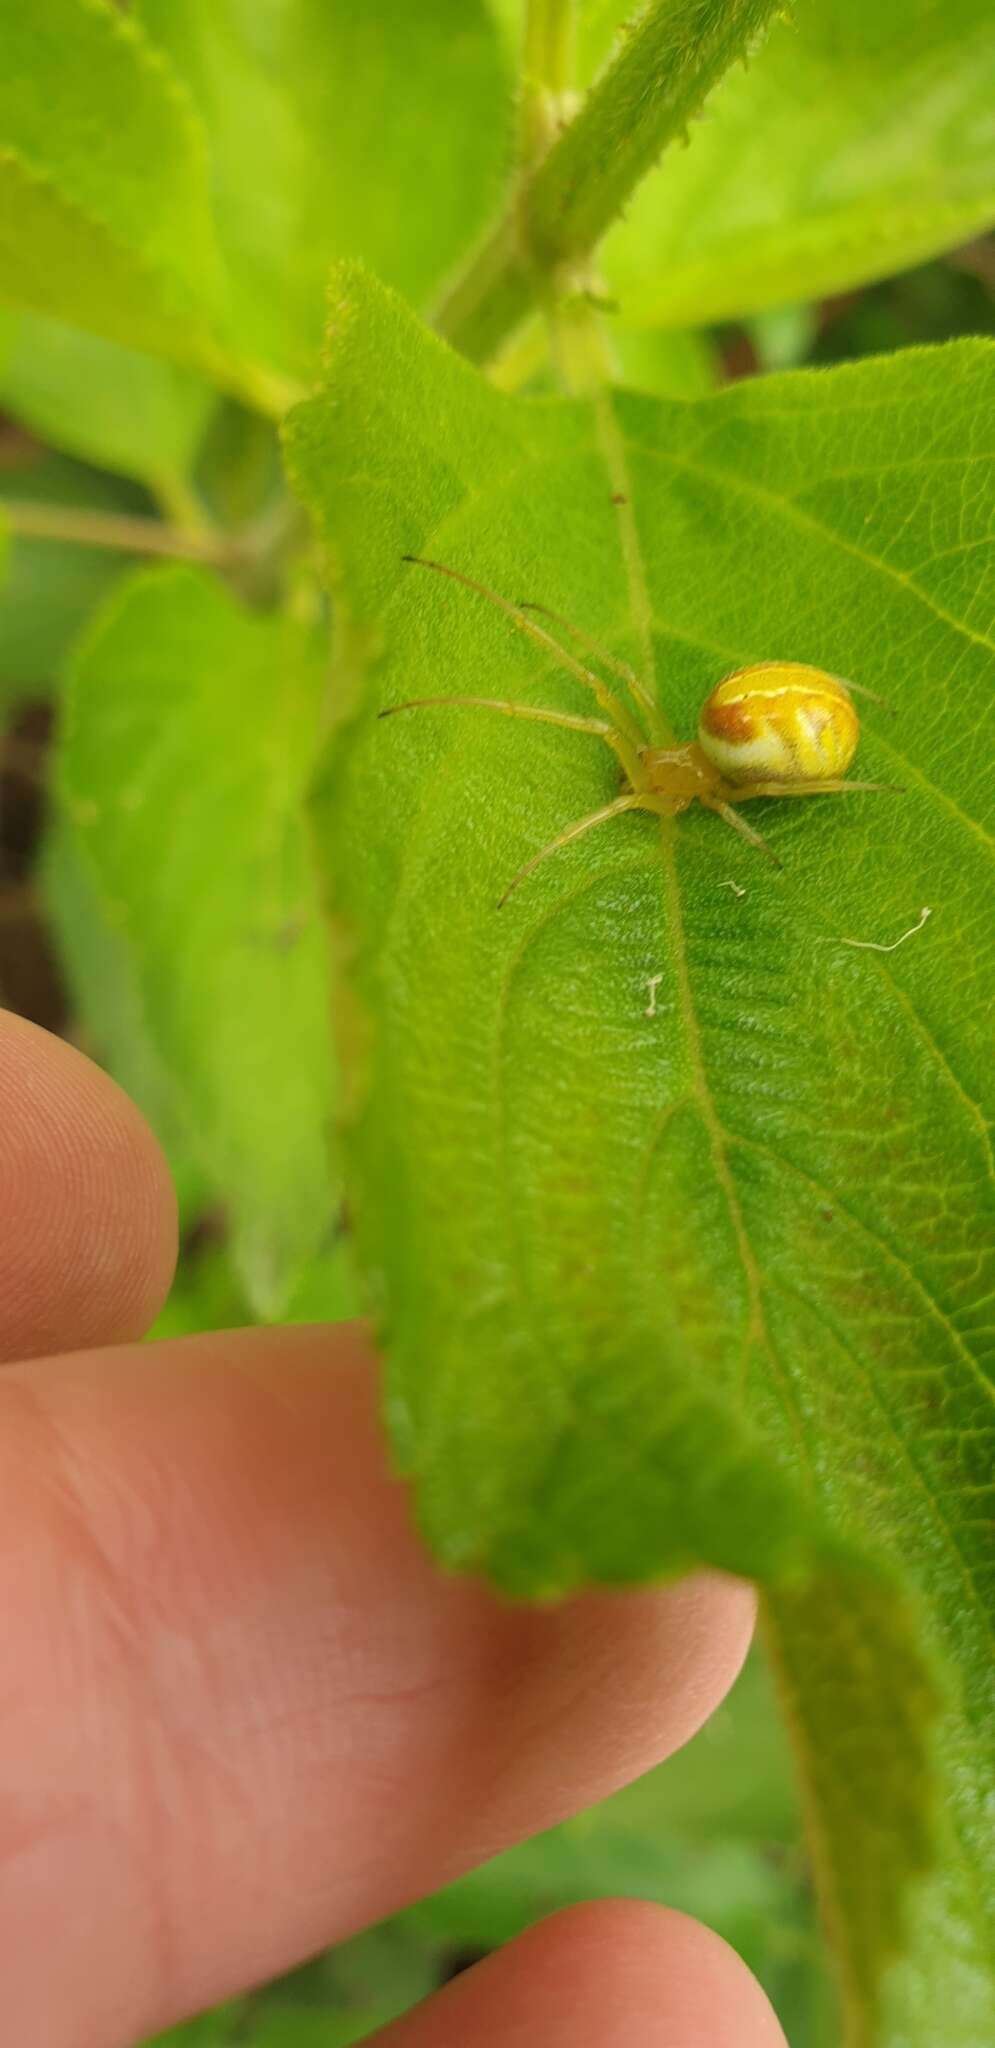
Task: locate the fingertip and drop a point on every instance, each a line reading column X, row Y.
column 613, row 1973
column 662, row 1964
column 89, row 1245
column 625, row 1678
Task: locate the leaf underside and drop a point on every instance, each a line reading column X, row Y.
column 702, row 1273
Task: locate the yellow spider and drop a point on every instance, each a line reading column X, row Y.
column 778, row 728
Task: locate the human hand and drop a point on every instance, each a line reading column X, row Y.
column 241, row 1713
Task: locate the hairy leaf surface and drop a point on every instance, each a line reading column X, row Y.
column 676, row 1205
column 189, row 736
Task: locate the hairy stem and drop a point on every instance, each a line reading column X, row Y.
column 661, row 72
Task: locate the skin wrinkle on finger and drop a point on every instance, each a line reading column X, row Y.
column 88, row 1242
column 248, row 1702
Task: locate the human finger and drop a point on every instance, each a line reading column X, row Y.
column 615, row 1974
column 241, row 1713
column 88, row 1241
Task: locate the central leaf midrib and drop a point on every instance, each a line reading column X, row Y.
column 612, row 446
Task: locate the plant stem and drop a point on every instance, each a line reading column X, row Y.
column 526, row 353
column 656, row 81
column 579, row 347
column 181, row 507
column 131, row 533
column 548, row 45
column 266, row 391
column 253, row 557
column 547, row 73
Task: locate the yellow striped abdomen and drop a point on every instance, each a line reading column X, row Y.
column 779, row 722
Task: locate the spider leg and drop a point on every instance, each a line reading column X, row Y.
column 861, row 690
column 536, row 712
column 825, row 788
column 740, row 825
column 607, row 699
column 611, row 661
column 634, row 801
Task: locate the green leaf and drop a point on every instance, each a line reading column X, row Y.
column 111, row 406
column 673, row 365
column 216, row 2029
column 859, row 143
column 696, row 1274
column 782, row 335
column 378, row 131
column 188, row 740
column 105, row 215
column 177, row 178
column 256, row 2024
column 48, row 589
column 206, row 1294
column 326, row 1288
column 293, row 2027
column 109, row 1012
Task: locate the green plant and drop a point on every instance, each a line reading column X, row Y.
column 701, row 1159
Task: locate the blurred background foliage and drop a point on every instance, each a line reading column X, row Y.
column 95, row 428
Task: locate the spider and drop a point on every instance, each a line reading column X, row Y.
column 778, row 728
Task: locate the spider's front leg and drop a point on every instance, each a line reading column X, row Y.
column 726, row 810
column 600, row 727
column 633, row 800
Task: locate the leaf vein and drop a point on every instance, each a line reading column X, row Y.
column 790, row 510
column 882, row 1245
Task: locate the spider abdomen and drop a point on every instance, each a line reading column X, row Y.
column 779, row 721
